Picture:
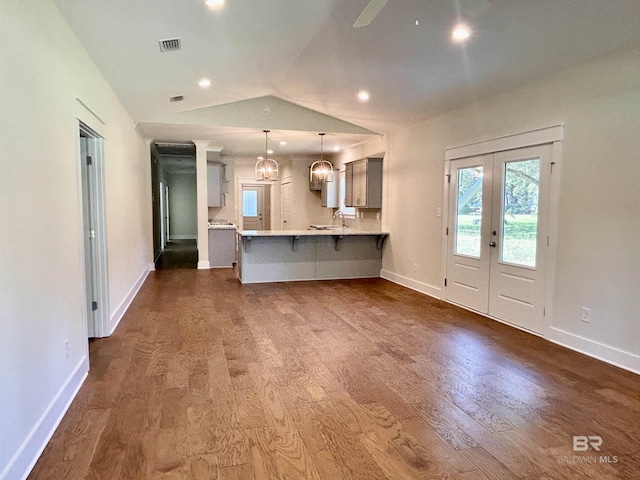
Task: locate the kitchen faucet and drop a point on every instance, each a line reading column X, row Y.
column 341, row 213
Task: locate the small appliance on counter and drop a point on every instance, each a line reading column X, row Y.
column 222, row 244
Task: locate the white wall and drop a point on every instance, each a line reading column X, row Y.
column 43, row 70
column 598, row 259
column 183, row 214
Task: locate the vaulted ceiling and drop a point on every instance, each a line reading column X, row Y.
column 267, row 58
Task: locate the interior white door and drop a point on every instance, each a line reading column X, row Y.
column 498, row 234
column 163, row 215
column 88, row 189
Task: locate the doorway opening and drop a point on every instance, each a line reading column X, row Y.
column 174, row 192
column 94, row 231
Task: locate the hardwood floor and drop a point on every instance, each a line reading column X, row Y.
column 178, row 254
column 208, row 379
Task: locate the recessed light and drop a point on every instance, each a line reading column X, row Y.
column 260, row 158
column 460, row 33
column 269, row 152
column 214, row 3
column 336, row 148
column 204, row 83
column 364, row 96
column 283, row 142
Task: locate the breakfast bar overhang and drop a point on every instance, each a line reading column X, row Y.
column 290, row 255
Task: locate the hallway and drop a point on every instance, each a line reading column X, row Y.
column 206, row 378
column 178, row 254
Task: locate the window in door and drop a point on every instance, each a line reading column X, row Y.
column 249, row 203
column 520, row 212
column 469, row 209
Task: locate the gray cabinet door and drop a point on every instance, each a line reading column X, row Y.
column 348, row 179
column 360, row 184
column 215, row 197
column 363, row 181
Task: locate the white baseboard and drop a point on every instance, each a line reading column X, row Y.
column 183, row 237
column 27, row 455
column 412, row 284
column 151, row 267
column 614, row 356
column 204, row 265
column 119, row 312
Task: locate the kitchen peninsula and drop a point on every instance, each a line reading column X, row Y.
column 287, row 255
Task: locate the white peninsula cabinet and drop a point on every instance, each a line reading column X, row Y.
column 364, row 183
column 215, row 181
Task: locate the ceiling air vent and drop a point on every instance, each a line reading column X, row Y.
column 170, row 45
column 176, row 98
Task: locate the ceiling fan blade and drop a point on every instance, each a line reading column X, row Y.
column 370, row 12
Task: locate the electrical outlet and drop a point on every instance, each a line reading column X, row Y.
column 586, row 315
column 439, row 212
column 66, row 349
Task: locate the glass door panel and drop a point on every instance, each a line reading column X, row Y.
column 468, row 219
column 249, row 203
column 520, row 190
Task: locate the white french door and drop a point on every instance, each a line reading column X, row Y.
column 497, row 234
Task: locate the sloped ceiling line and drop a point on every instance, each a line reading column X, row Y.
column 269, row 112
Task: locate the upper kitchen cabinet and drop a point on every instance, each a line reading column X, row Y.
column 215, row 181
column 364, row 183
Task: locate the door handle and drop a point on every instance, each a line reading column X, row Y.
column 492, row 244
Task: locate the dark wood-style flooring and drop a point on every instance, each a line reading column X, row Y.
column 208, row 379
column 178, row 254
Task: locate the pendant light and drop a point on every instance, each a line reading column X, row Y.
column 322, row 169
column 266, row 168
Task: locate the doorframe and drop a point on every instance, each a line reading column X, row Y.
column 95, row 147
column 553, row 135
column 252, row 182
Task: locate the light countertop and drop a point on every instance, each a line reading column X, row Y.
column 309, row 233
column 221, row 227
